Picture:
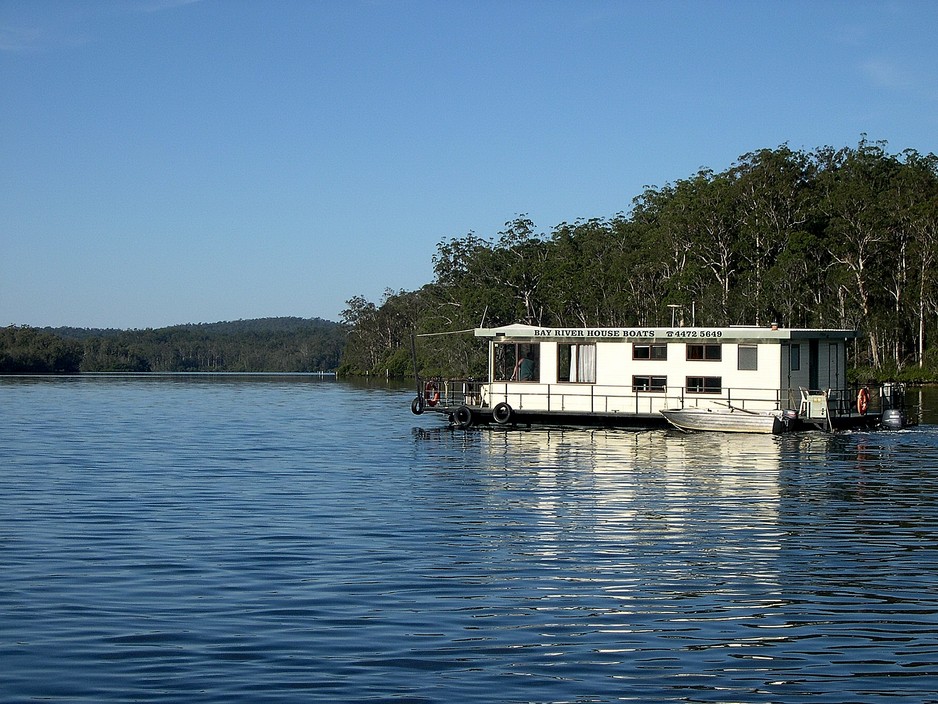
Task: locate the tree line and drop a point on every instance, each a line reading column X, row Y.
column 840, row 238
column 264, row 345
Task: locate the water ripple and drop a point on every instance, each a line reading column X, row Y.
column 287, row 541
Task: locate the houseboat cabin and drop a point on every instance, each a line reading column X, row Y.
column 637, row 377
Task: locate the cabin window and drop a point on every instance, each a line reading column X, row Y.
column 517, row 362
column 649, row 351
column 748, row 358
column 707, row 353
column 794, row 356
column 704, row 384
column 576, row 363
column 649, row 383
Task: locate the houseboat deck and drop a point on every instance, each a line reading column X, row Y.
column 460, row 403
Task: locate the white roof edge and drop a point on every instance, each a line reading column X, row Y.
column 682, row 334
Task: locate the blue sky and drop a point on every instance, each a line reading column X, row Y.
column 173, row 161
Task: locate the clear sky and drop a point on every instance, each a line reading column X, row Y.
column 174, row 161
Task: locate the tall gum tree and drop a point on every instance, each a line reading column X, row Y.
column 703, row 213
column 851, row 183
column 661, row 220
column 520, row 267
column 917, row 215
column 771, row 187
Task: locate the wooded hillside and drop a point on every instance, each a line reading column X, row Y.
column 264, row 345
column 844, row 238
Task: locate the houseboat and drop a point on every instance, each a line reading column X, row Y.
column 731, row 379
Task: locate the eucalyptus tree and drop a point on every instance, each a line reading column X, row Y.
column 588, row 275
column 379, row 335
column 916, row 207
column 771, row 187
column 460, row 281
column 398, row 316
column 519, row 268
column 666, row 240
column 364, row 348
column 797, row 283
column 717, row 213
column 895, row 278
column 699, row 224
column 568, row 287
column 640, row 274
column 851, row 186
column 463, row 295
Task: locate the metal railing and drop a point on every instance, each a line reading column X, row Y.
column 599, row 398
column 844, row 403
column 452, row 392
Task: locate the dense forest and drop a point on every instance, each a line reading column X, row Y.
column 843, row 238
column 265, row 345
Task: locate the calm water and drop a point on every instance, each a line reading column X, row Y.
column 293, row 540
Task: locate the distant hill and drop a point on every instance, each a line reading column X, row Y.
column 227, row 327
column 260, row 345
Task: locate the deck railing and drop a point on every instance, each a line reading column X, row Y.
column 599, row 398
column 843, row 403
column 452, row 392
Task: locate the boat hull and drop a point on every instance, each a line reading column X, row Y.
column 725, row 421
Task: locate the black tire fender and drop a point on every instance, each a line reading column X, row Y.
column 502, row 412
column 463, row 417
column 416, row 406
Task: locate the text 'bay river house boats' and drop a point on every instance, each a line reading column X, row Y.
column 732, row 379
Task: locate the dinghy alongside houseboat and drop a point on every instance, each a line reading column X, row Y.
column 731, row 379
column 727, row 420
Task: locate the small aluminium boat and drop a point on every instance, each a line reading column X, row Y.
column 726, row 420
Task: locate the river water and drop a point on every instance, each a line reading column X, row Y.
column 290, row 539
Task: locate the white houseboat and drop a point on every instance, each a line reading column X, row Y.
column 742, row 379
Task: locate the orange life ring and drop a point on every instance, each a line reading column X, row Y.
column 863, row 401
column 431, row 393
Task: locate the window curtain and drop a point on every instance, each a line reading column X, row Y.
column 583, row 363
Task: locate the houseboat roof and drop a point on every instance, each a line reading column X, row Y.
column 631, row 334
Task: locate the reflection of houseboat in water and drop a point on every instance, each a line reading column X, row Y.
column 738, row 379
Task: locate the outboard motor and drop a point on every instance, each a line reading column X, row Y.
column 893, row 419
column 893, row 397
